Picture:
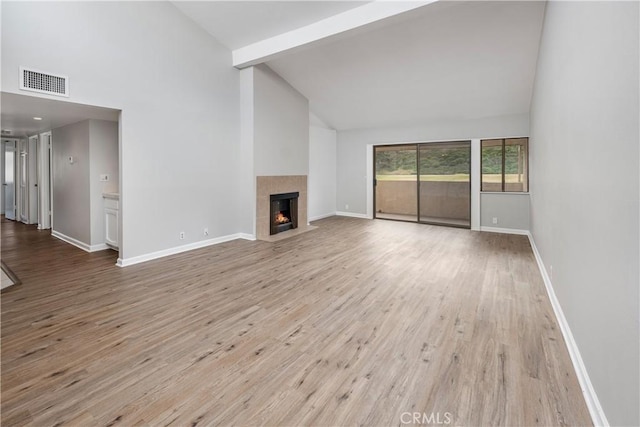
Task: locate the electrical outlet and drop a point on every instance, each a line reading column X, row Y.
column 346, row 207
column 182, row 235
column 206, row 231
column 104, row 177
column 495, row 220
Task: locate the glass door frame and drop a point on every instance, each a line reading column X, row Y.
column 417, row 147
column 375, row 180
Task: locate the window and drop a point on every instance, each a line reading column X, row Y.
column 505, row 165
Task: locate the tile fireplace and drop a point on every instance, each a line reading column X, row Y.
column 270, row 189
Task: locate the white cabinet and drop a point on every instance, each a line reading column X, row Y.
column 111, row 213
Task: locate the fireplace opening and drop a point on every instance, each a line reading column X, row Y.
column 284, row 212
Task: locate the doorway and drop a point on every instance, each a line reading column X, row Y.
column 8, row 178
column 21, row 179
column 66, row 153
column 426, row 182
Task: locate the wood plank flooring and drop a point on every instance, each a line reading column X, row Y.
column 355, row 323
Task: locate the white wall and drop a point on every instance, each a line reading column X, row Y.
column 78, row 206
column 274, row 136
column 246, row 204
column 71, row 193
column 179, row 96
column 322, row 172
column 281, row 126
column 511, row 210
column 352, row 149
column 585, row 187
column 103, row 159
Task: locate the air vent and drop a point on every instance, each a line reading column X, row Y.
column 38, row 81
column 6, row 132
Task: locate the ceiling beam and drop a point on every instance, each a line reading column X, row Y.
column 352, row 19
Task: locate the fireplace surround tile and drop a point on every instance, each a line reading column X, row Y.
column 268, row 185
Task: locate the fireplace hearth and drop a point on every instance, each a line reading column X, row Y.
column 284, row 212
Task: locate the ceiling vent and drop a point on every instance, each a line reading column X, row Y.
column 37, row 81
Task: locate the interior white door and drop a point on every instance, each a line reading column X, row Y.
column 44, row 181
column 9, row 179
column 32, row 180
column 24, row 183
column 50, row 181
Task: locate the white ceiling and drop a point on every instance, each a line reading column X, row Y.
column 237, row 24
column 18, row 112
column 450, row 61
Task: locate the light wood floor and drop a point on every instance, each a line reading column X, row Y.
column 354, row 323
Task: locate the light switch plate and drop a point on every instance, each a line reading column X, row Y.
column 104, row 177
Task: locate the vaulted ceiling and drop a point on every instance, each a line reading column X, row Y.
column 438, row 60
column 446, row 60
column 237, row 24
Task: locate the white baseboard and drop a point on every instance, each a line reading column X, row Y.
column 593, row 404
column 98, row 247
column 317, row 217
column 75, row 242
column 78, row 244
column 504, row 230
column 352, row 215
column 125, row 262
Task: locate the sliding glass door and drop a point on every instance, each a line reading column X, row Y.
column 445, row 186
column 428, row 182
column 396, row 182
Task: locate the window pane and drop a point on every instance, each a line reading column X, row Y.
column 515, row 165
column 396, row 182
column 492, row 165
column 445, row 196
column 445, row 161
